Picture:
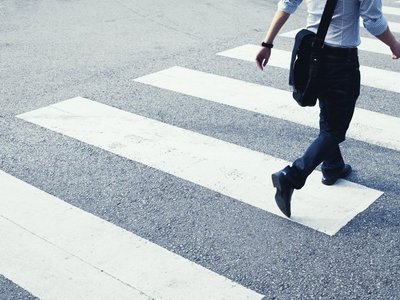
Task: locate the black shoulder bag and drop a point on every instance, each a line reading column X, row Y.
column 306, row 59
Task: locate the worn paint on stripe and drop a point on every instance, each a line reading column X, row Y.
column 57, row 251
column 193, row 157
column 367, row 44
column 373, row 77
column 382, row 131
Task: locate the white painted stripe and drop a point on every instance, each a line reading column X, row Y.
column 367, row 126
column 57, row 251
column 377, row 78
column 367, row 44
column 194, row 157
column 391, row 10
column 394, row 27
column 48, row 272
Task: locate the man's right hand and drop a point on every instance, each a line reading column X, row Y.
column 263, row 57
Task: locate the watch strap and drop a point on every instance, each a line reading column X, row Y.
column 267, row 45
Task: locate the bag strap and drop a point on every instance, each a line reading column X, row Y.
column 324, row 24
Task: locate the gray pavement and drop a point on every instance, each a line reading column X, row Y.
column 9, row 290
column 55, row 50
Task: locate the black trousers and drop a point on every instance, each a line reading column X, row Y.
column 340, row 88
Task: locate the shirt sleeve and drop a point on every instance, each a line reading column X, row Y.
column 289, row 6
column 373, row 19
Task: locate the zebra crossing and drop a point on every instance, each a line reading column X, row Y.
column 61, row 239
column 193, row 157
column 84, row 257
column 269, row 101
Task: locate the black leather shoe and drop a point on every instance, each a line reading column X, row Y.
column 332, row 180
column 284, row 192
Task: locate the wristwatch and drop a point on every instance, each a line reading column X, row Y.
column 267, row 45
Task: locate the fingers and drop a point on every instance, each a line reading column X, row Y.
column 263, row 57
column 395, row 50
column 259, row 63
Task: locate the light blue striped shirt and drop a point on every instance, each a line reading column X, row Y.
column 344, row 30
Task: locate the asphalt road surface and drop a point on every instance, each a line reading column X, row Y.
column 137, row 139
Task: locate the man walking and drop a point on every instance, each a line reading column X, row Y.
column 340, row 85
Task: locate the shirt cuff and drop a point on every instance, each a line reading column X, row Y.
column 287, row 6
column 376, row 26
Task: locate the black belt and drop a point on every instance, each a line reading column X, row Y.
column 350, row 53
